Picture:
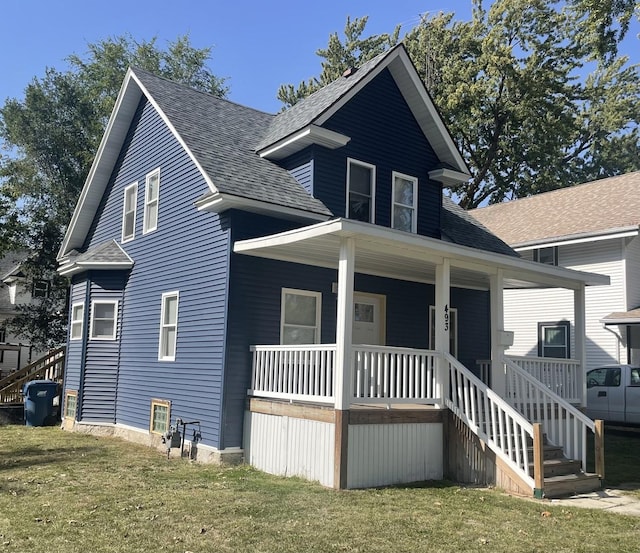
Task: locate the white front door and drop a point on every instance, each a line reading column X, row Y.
column 368, row 319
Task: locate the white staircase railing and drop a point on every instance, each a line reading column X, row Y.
column 491, row 418
column 564, row 424
column 563, row 376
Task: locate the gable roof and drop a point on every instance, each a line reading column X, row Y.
column 9, row 268
column 599, row 208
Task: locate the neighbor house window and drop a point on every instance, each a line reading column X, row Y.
column 160, row 416
column 405, row 200
column 452, row 314
column 40, row 289
column 300, row 317
column 168, row 327
column 360, row 191
column 77, row 321
column 151, row 197
column 3, row 334
column 129, row 212
column 103, row 319
column 553, row 340
column 70, row 404
column 548, row 256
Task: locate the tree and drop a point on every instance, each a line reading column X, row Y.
column 340, row 56
column 49, row 139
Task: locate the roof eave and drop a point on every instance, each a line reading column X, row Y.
column 579, row 238
column 311, row 134
column 74, row 268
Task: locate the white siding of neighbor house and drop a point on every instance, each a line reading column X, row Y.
column 524, row 309
column 632, row 266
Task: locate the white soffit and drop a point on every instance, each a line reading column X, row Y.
column 311, row 134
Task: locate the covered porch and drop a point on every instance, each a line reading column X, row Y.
column 344, row 377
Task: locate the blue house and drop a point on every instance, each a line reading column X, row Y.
column 298, row 284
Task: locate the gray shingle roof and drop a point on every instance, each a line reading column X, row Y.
column 107, row 252
column 587, row 209
column 309, row 109
column 222, row 136
column 461, row 228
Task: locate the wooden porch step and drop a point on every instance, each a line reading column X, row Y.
column 549, row 452
column 559, row 466
column 571, row 484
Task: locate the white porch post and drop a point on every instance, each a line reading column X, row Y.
column 580, row 337
column 496, row 292
column 344, row 325
column 442, row 322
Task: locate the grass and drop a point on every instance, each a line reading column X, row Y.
column 64, row 492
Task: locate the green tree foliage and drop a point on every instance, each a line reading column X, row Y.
column 49, row 139
column 529, row 102
column 339, row 56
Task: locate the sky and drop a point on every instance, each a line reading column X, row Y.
column 257, row 45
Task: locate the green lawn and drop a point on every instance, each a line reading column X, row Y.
column 64, row 492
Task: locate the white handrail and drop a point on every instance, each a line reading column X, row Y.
column 562, row 376
column 564, row 424
column 498, row 424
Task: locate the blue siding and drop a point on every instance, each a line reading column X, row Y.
column 300, row 166
column 384, row 133
column 73, row 365
column 188, row 253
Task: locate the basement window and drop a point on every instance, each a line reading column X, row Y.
column 70, row 404
column 160, row 416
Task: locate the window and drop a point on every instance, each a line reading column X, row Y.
column 168, row 327
column 300, row 317
column 160, row 416
column 129, row 212
column 405, row 199
column 40, row 289
column 360, row 191
column 553, row 340
column 548, row 256
column 103, row 319
column 77, row 321
column 605, row 376
column 3, row 334
column 151, row 197
column 452, row 312
column 70, row 404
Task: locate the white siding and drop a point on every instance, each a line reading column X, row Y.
column 289, row 446
column 524, row 309
column 632, row 269
column 385, row 454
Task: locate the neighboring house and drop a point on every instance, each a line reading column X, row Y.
column 591, row 227
column 280, row 278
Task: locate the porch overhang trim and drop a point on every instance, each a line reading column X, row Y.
column 74, row 268
column 312, row 134
column 319, row 245
column 217, row 203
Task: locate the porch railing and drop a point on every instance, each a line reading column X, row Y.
column 490, row 417
column 561, row 376
column 564, row 424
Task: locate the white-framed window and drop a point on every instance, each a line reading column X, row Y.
column 451, row 319
column 404, row 202
column 77, row 321
column 129, row 206
column 548, row 256
column 554, row 340
column 40, row 288
column 103, row 319
column 151, row 201
column 168, row 327
column 300, row 316
column 361, row 190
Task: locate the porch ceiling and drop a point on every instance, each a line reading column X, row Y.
column 390, row 253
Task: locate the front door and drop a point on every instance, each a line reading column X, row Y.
column 368, row 319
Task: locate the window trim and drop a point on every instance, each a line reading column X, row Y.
column 372, row 212
column 452, row 336
column 567, row 328
column 67, row 395
column 148, row 203
column 115, row 319
column 161, row 342
column 414, row 208
column 300, row 292
column 75, row 322
column 160, row 403
column 133, row 186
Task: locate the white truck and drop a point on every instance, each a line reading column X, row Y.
column 613, row 394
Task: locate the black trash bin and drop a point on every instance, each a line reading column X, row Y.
column 39, row 407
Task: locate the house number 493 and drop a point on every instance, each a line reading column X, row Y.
column 446, row 318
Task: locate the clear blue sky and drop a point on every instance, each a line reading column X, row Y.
column 258, row 45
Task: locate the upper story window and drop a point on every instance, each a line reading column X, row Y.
column 300, row 317
column 361, row 178
column 168, row 327
column 405, row 200
column 129, row 212
column 548, row 256
column 77, row 320
column 103, row 319
column 151, row 201
column 40, row 289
